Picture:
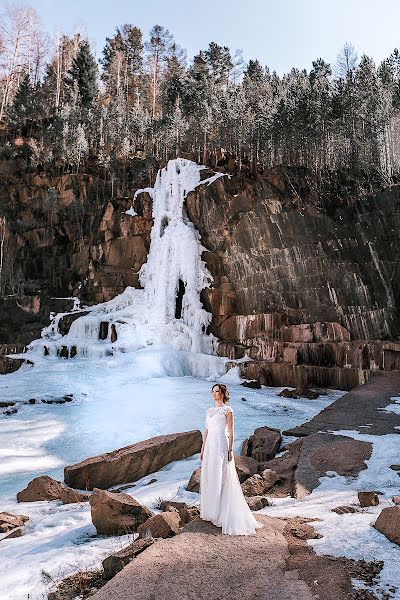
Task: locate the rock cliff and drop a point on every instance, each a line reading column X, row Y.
column 306, row 283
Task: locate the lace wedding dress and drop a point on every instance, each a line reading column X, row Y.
column 221, row 496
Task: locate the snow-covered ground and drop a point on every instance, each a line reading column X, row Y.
column 114, row 408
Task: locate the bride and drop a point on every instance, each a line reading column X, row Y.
column 221, row 496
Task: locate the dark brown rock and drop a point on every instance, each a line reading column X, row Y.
column 116, row 562
column 257, row 502
column 388, row 523
column 70, row 496
column 368, row 499
column 343, row 510
column 163, row 525
column 6, row 404
column 254, row 486
column 132, row 462
column 263, row 444
column 245, row 467
column 9, row 521
column 253, row 384
column 116, row 514
column 194, row 481
column 186, row 513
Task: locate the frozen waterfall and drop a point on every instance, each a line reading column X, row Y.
column 147, row 319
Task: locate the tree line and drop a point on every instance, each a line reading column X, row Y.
column 143, row 98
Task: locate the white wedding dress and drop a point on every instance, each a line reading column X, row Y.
column 221, row 497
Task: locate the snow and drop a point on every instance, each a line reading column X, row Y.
column 114, row 408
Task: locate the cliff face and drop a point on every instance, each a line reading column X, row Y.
column 307, row 286
column 309, row 290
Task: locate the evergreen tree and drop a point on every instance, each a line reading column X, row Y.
column 83, row 74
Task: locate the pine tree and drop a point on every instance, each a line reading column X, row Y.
column 83, row 74
column 123, row 62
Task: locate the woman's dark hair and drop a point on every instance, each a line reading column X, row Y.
column 224, row 391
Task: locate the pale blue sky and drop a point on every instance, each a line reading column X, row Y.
column 280, row 33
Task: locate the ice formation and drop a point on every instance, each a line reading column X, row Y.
column 140, row 319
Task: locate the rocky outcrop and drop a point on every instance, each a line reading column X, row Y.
column 388, row 523
column 302, row 283
column 116, row 514
column 46, row 488
column 133, row 462
column 245, row 466
column 257, row 502
column 260, row 484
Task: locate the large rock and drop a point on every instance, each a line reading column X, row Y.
column 9, row 521
column 388, row 523
column 116, row 562
column 164, row 525
column 323, row 452
column 41, row 488
column 257, row 502
column 245, row 468
column 194, row 481
column 132, row 462
column 263, row 444
column 368, row 499
column 47, row 488
column 307, row 459
column 257, row 485
column 186, row 513
column 116, row 514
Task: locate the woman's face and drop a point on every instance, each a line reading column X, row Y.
column 216, row 393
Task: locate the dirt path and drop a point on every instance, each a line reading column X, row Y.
column 359, row 410
column 201, row 563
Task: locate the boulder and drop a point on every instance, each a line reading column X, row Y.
column 41, row 488
column 186, row 513
column 344, row 510
column 388, row 523
column 132, row 462
column 46, row 488
column 163, row 525
column 116, row 514
column 285, row 468
column 368, row 499
column 299, row 392
column 194, row 481
column 70, row 496
column 257, row 485
column 257, row 502
column 253, row 384
column 6, row 404
column 254, row 486
column 9, row 521
column 396, row 499
column 263, row 444
column 116, row 562
column 245, row 467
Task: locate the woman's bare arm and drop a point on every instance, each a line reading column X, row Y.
column 231, row 435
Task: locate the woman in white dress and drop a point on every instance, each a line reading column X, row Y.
column 221, row 497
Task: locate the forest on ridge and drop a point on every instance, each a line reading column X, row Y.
column 143, row 98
